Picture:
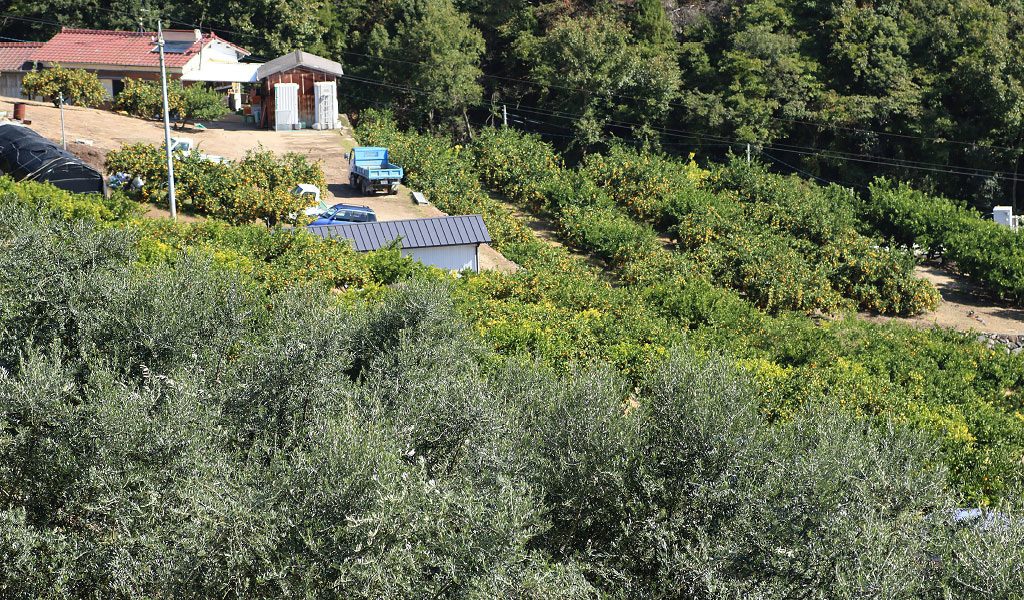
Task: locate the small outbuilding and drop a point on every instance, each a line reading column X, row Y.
column 296, row 91
column 450, row 243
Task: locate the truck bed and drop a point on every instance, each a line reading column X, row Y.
column 372, row 164
column 379, row 171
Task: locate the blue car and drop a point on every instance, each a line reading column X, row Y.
column 345, row 213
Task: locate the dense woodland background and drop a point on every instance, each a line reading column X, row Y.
column 927, row 91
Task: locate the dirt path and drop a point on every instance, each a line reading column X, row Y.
column 964, row 306
column 104, row 131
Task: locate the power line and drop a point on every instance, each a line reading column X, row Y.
column 898, row 135
column 802, row 150
column 825, row 154
column 833, row 154
column 809, row 174
column 820, row 126
column 698, row 137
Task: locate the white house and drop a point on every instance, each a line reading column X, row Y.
column 117, row 55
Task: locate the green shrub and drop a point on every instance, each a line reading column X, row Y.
column 990, row 254
column 197, row 103
column 77, row 86
column 141, row 98
column 258, row 186
column 91, row 207
column 186, row 103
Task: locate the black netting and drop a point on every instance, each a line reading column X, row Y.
column 26, row 155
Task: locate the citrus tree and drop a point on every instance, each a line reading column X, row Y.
column 197, row 103
column 77, row 86
column 140, row 98
column 187, row 104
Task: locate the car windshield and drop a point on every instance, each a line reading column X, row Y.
column 351, row 216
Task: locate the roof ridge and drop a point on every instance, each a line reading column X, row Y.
column 20, row 44
column 107, row 32
column 402, row 220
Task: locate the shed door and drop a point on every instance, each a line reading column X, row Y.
column 286, row 105
column 10, row 85
column 326, row 93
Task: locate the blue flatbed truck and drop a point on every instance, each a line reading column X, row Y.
column 370, row 170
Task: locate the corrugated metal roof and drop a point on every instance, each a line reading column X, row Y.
column 299, row 59
column 14, row 55
column 414, row 233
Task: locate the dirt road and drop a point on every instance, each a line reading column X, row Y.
column 231, row 138
column 964, row 306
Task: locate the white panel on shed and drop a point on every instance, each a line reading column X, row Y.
column 326, row 93
column 286, row 105
column 1003, row 215
column 449, row 258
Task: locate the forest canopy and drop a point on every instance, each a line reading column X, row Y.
column 927, row 92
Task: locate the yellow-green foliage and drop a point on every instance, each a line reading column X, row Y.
column 943, row 383
column 258, row 186
column 79, row 87
column 93, row 207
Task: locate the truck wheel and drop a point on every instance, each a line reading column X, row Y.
column 393, row 191
column 353, row 181
column 366, row 187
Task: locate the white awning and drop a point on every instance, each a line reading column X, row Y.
column 224, row 72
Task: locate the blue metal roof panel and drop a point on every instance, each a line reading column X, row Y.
column 448, row 231
column 420, row 233
column 415, row 233
column 411, row 238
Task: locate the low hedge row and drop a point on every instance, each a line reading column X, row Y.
column 784, row 243
column 940, row 382
column 93, row 207
column 988, row 253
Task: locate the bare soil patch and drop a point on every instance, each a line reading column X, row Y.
column 965, row 306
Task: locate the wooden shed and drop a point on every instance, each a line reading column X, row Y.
column 298, row 90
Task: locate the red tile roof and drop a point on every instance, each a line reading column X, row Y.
column 13, row 55
column 121, row 48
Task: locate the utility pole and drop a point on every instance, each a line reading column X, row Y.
column 63, row 139
column 504, row 116
column 748, row 153
column 167, row 124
